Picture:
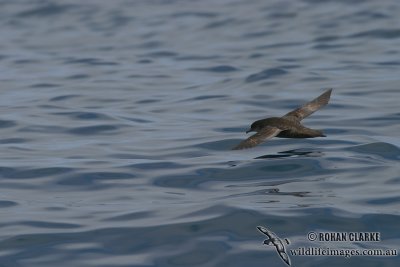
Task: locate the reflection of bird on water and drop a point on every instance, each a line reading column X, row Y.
column 274, row 240
column 288, row 126
column 293, row 153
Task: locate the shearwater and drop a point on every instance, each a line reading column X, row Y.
column 288, row 126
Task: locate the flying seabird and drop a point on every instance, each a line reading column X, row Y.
column 274, row 240
column 288, row 126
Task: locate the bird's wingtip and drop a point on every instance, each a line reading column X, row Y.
column 329, row 91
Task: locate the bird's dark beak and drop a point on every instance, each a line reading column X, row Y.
column 249, row 130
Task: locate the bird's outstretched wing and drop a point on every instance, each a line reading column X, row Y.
column 258, row 138
column 285, row 257
column 266, row 232
column 309, row 108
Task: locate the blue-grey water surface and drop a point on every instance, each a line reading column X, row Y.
column 117, row 119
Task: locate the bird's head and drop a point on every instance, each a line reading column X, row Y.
column 268, row 242
column 255, row 127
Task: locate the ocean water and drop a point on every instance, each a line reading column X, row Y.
column 117, row 120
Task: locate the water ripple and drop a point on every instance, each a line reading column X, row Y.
column 266, row 74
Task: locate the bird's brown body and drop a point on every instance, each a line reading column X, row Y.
column 288, row 126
